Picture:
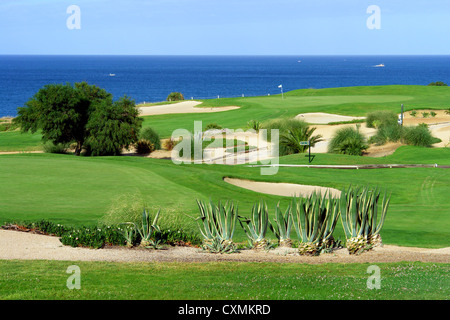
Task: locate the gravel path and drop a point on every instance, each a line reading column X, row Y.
column 29, row 246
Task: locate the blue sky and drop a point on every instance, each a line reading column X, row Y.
column 225, row 27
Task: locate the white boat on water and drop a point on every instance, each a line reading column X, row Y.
column 381, row 65
column 112, row 74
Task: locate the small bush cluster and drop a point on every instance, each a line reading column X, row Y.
column 144, row 147
column 100, row 236
column 416, row 136
column 348, row 141
column 175, row 96
column 50, row 147
column 438, row 84
column 213, row 126
column 148, row 134
column 379, row 119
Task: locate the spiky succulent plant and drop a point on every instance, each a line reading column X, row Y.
column 282, row 226
column 256, row 226
column 359, row 211
column 314, row 221
column 217, row 224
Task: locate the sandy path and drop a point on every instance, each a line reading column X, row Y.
column 281, row 189
column 27, row 246
column 181, row 107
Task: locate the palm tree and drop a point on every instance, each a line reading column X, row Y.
column 294, row 134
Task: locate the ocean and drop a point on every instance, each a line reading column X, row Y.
column 152, row 78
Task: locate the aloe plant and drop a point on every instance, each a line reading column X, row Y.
column 256, row 226
column 147, row 228
column 217, row 224
column 282, row 226
column 314, row 220
column 359, row 216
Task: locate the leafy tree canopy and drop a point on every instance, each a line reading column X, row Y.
column 83, row 114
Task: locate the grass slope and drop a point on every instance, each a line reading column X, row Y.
column 77, row 190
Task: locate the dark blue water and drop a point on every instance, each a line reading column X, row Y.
column 152, row 78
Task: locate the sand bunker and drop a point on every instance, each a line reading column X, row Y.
column 181, row 107
column 324, row 118
column 281, row 189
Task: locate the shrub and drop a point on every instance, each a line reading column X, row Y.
column 144, row 147
column 418, row 136
column 447, row 111
column 433, row 114
column 169, row 144
column 381, row 118
column 175, row 96
column 348, row 141
column 438, row 84
column 93, row 237
column 384, row 134
column 151, row 135
column 212, row 126
column 413, row 113
column 425, row 114
column 50, row 147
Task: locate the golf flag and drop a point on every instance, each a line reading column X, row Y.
column 280, row 86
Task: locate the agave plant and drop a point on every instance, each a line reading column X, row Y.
column 217, row 224
column 314, row 221
column 282, row 226
column 147, row 229
column 359, row 212
column 128, row 232
column 257, row 226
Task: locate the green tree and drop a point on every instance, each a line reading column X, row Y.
column 175, row 96
column 112, row 127
column 62, row 113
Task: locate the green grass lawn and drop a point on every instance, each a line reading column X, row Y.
column 17, row 141
column 223, row 281
column 79, row 190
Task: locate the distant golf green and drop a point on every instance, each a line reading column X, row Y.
column 351, row 101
